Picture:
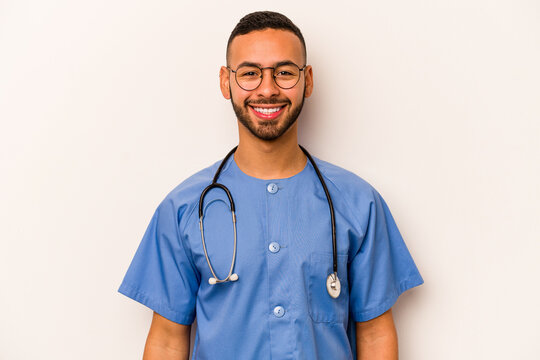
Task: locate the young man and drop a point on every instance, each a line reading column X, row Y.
column 287, row 293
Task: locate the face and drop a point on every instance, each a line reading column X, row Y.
column 268, row 111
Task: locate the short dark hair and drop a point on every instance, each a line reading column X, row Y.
column 261, row 20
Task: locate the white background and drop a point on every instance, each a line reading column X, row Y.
column 105, row 106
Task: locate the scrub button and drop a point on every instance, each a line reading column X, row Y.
column 272, row 188
column 279, row 311
column 274, row 247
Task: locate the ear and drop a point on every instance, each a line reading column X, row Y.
column 224, row 79
column 308, row 76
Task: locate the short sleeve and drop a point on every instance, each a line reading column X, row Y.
column 161, row 275
column 383, row 268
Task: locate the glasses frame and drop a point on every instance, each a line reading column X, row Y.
column 273, row 75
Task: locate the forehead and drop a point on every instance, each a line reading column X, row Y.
column 266, row 47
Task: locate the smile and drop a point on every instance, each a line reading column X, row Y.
column 267, row 112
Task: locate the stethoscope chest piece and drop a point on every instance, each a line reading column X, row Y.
column 333, row 285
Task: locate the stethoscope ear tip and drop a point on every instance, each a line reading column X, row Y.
column 213, row 280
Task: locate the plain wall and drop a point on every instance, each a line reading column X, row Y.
column 105, row 106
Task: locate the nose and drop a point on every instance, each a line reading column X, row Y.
column 268, row 86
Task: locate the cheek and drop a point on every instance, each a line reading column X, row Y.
column 239, row 96
column 296, row 96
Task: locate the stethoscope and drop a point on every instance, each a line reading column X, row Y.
column 333, row 285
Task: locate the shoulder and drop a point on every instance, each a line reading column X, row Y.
column 193, row 185
column 346, row 182
column 184, row 197
column 355, row 198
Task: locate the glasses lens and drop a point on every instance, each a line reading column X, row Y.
column 287, row 75
column 248, row 77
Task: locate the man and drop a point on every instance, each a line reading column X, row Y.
column 278, row 255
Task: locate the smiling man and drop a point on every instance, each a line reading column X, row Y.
column 274, row 109
column 312, row 261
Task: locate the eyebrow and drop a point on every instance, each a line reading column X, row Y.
column 284, row 62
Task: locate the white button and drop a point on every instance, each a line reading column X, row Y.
column 274, row 247
column 272, row 188
column 279, row 311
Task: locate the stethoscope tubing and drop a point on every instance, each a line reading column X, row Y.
column 213, row 185
column 330, row 206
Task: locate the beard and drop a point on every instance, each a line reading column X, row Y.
column 270, row 129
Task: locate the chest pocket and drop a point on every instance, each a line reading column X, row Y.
column 323, row 307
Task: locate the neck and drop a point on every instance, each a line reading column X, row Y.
column 276, row 159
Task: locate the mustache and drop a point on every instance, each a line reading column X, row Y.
column 267, row 102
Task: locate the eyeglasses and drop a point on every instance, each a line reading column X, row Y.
column 249, row 77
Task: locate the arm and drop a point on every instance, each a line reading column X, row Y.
column 167, row 340
column 376, row 339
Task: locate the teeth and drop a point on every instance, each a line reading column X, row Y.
column 266, row 110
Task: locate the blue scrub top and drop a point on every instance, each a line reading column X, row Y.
column 279, row 308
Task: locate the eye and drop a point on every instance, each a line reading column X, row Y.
column 284, row 73
column 248, row 73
